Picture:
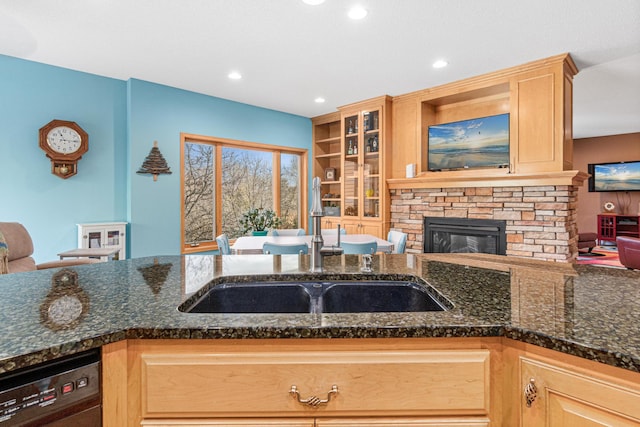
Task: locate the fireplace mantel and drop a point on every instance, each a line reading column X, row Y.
column 487, row 178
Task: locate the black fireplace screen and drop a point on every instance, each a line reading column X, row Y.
column 464, row 235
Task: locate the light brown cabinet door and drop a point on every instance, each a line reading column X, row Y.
column 373, row 228
column 565, row 398
column 541, row 140
column 264, row 422
column 404, row 422
column 336, row 422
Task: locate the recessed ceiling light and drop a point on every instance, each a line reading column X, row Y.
column 357, row 12
column 319, row 100
column 440, row 63
column 313, row 2
column 234, row 75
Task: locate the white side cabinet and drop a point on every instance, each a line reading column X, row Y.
column 104, row 235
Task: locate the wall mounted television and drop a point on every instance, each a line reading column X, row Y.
column 616, row 176
column 474, row 143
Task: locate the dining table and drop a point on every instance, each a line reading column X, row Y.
column 253, row 244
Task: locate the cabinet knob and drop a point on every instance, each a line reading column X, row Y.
column 313, row 401
column 530, row 392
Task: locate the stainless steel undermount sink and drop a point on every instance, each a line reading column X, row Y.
column 356, row 296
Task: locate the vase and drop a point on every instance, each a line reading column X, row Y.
column 259, row 233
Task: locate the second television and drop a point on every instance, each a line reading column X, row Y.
column 614, row 176
column 474, row 143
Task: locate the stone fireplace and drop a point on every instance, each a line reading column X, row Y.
column 540, row 221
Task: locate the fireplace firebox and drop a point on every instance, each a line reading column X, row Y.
column 464, row 235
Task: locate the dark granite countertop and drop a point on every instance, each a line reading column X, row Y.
column 591, row 312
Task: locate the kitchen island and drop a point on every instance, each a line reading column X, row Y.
column 588, row 312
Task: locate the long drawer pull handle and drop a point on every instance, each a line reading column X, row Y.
column 313, row 401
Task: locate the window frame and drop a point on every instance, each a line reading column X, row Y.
column 219, row 143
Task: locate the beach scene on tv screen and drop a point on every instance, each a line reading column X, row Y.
column 617, row 177
column 482, row 142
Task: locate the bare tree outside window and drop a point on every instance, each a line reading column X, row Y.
column 247, row 182
column 218, row 190
column 290, row 190
column 199, row 200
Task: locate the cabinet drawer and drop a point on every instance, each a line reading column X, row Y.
column 227, row 422
column 368, row 382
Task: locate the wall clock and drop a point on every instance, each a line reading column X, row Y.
column 63, row 142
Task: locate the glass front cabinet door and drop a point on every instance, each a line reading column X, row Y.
column 364, row 190
column 104, row 235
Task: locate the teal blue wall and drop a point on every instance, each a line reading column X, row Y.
column 31, row 95
column 122, row 120
column 160, row 113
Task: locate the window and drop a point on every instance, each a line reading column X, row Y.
column 221, row 179
column 290, row 191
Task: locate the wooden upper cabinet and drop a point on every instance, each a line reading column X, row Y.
column 351, row 156
column 538, row 98
column 405, row 132
column 542, row 110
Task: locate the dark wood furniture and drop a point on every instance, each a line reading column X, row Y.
column 611, row 226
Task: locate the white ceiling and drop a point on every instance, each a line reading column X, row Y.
column 290, row 53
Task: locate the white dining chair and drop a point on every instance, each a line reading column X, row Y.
column 359, row 248
column 223, row 244
column 399, row 240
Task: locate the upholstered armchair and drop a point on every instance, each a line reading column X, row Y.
column 587, row 241
column 629, row 251
column 16, row 248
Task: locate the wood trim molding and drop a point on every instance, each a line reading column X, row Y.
column 492, row 78
column 450, row 179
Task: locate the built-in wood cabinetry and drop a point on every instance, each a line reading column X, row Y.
column 547, row 388
column 378, row 382
column 327, row 164
column 308, row 382
column 555, row 395
column 350, row 156
column 538, row 98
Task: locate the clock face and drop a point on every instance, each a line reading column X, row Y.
column 65, row 310
column 64, row 140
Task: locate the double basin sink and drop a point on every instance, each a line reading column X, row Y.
column 317, row 297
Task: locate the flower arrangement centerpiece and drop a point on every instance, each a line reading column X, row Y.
column 259, row 221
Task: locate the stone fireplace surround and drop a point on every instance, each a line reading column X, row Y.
column 540, row 220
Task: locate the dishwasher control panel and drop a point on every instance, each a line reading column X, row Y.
column 51, row 388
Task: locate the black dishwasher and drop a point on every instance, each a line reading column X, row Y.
column 62, row 392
